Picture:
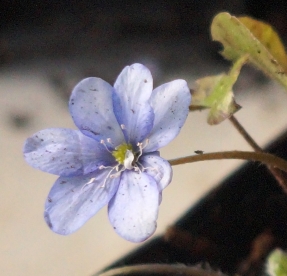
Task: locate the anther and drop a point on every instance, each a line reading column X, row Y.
column 123, row 126
column 109, row 140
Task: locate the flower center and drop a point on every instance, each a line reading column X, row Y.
column 126, row 158
column 122, row 152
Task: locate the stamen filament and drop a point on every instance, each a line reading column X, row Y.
column 141, row 147
column 103, row 186
column 104, row 143
column 105, row 167
column 88, row 183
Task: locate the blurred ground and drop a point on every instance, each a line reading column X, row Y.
column 45, row 49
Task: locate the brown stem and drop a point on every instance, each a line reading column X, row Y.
column 278, row 175
column 160, row 269
column 244, row 134
column 265, row 158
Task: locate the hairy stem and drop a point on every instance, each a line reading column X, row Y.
column 265, row 158
column 278, row 175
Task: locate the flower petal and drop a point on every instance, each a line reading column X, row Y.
column 170, row 102
column 92, row 110
column 74, row 200
column 65, row 152
column 134, row 208
column 133, row 88
column 158, row 168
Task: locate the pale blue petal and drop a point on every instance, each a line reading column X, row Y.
column 74, row 200
column 133, row 88
column 158, row 168
column 134, row 208
column 65, row 152
column 91, row 108
column 170, row 102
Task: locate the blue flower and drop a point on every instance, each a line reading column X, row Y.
column 113, row 158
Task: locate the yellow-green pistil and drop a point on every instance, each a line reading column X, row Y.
column 120, row 152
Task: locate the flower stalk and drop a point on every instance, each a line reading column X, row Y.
column 278, row 175
column 161, row 269
column 265, row 158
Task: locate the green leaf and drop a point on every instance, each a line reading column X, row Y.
column 246, row 36
column 268, row 37
column 215, row 92
column 277, row 263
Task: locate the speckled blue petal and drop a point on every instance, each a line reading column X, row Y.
column 133, row 210
column 158, row 168
column 65, row 152
column 74, row 200
column 91, row 108
column 170, row 102
column 133, row 88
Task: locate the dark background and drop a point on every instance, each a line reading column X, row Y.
column 100, row 37
column 65, row 41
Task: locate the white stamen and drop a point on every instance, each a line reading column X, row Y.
column 88, row 183
column 105, row 167
column 123, row 126
column 92, row 180
column 130, row 161
column 104, row 143
column 148, row 168
column 141, row 147
column 103, row 186
column 109, row 140
column 117, row 173
column 112, row 175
